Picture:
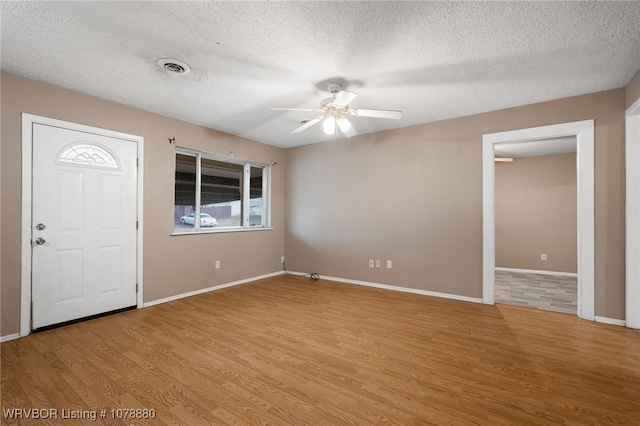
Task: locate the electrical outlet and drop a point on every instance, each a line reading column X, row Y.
column 282, row 259
column 389, row 264
column 543, row 256
column 377, row 263
column 217, row 264
column 370, row 263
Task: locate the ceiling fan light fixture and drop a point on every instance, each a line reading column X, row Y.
column 329, row 126
column 334, row 88
column 334, row 111
column 327, row 101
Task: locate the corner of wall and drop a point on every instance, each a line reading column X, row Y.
column 632, row 90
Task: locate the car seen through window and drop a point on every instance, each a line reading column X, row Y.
column 205, row 220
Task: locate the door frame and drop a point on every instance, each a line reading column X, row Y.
column 584, row 133
column 632, row 297
column 28, row 120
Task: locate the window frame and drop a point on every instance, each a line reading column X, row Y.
column 245, row 195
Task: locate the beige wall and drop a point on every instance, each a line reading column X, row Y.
column 414, row 196
column 536, row 212
column 410, row 195
column 633, row 90
column 172, row 264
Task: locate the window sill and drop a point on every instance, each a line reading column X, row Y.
column 220, row 231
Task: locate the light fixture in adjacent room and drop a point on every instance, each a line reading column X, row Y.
column 174, row 66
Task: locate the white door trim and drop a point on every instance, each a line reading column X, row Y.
column 28, row 120
column 632, row 297
column 584, row 132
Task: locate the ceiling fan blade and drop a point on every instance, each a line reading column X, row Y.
column 376, row 113
column 345, row 127
column 296, row 109
column 308, row 124
column 344, row 98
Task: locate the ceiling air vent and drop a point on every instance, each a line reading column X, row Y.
column 174, row 66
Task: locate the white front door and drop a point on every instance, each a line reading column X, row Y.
column 84, row 212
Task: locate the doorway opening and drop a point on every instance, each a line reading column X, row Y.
column 583, row 131
column 536, row 224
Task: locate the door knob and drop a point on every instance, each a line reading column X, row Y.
column 40, row 226
column 40, row 241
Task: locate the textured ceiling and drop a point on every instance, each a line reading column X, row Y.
column 432, row 60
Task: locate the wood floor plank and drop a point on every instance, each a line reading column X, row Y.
column 288, row 351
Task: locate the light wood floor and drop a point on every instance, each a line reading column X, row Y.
column 540, row 291
column 289, row 351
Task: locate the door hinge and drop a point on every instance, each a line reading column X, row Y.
column 136, row 224
column 136, row 287
column 137, row 162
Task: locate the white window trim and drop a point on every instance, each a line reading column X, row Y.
column 247, row 164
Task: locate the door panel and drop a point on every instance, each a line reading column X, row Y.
column 110, row 269
column 110, row 203
column 69, row 275
column 84, row 193
column 70, row 184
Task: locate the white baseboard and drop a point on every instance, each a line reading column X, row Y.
column 176, row 297
column 402, row 289
column 603, row 320
column 613, row 321
column 9, row 337
column 535, row 271
column 208, row 289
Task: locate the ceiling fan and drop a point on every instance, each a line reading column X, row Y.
column 335, row 112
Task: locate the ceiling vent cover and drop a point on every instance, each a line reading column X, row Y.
column 174, row 66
